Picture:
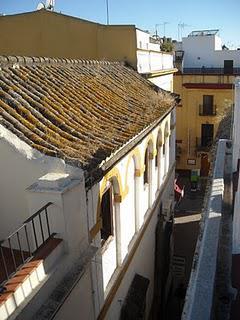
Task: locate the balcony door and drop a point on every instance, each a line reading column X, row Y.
column 207, row 104
column 228, row 66
column 207, row 135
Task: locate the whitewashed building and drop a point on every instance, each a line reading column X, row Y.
column 154, row 63
column 87, row 171
column 204, row 50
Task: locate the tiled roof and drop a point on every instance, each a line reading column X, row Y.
column 80, row 111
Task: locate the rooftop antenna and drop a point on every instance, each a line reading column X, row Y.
column 107, row 11
column 181, row 26
column 164, row 27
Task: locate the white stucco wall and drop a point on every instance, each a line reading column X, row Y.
column 20, row 167
column 206, row 51
column 130, row 217
column 142, row 263
column 150, row 61
column 143, row 41
column 165, row 82
column 79, row 303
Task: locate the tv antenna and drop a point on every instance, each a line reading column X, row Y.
column 164, row 27
column 181, row 27
column 107, row 9
column 49, row 5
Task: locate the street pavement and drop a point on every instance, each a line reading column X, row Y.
column 186, row 228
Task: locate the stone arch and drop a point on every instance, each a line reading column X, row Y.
column 114, row 178
column 159, row 157
column 136, row 156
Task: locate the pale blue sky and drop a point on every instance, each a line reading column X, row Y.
column 145, row 14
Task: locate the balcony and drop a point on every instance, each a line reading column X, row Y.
column 20, row 247
column 204, row 70
column 204, row 144
column 207, row 110
column 152, row 61
column 179, row 55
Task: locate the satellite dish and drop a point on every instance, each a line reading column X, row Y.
column 40, row 6
column 50, row 4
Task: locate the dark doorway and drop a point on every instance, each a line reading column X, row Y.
column 228, row 66
column 205, row 165
column 207, row 135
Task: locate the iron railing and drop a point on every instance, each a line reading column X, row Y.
column 203, row 144
column 203, row 70
column 21, row 245
column 205, row 110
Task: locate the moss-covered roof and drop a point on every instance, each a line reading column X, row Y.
column 81, row 111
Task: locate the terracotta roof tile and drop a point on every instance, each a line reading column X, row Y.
column 80, row 111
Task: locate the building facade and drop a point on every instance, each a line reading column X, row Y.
column 205, row 82
column 50, row 34
column 215, row 268
column 87, row 174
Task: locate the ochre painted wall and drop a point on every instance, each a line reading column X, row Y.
column 118, row 43
column 50, row 34
column 189, row 121
column 44, row 33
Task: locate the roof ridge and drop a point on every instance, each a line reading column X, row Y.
column 26, row 60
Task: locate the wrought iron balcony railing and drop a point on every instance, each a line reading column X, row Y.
column 20, row 246
column 207, row 110
column 203, row 144
column 203, row 70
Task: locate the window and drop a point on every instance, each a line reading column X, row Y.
column 207, row 106
column 107, row 215
column 228, row 66
column 164, row 149
column 146, row 163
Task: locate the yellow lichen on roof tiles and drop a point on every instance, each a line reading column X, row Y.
column 81, row 111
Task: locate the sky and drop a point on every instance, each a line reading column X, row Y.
column 151, row 14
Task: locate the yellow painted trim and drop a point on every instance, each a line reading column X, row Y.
column 124, row 267
column 150, row 138
column 134, row 153
column 114, row 173
column 139, row 172
column 166, row 134
column 125, row 192
column 151, row 155
column 161, row 73
column 118, row 198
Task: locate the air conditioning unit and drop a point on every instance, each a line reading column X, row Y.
column 167, row 207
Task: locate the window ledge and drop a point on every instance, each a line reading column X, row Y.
column 105, row 244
